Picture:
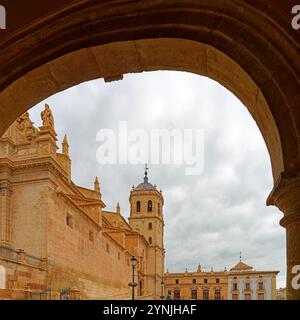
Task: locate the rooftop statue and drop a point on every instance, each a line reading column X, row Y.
column 47, row 117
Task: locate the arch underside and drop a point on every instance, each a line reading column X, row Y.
column 243, row 47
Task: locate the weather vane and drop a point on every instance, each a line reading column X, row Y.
column 146, row 169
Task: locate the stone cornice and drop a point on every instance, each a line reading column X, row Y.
column 6, row 161
column 38, row 162
column 290, row 219
column 285, row 195
column 146, row 217
column 140, row 193
column 23, row 263
column 45, row 162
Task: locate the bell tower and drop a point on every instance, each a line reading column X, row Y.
column 146, row 217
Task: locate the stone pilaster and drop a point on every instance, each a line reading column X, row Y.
column 5, row 213
column 286, row 196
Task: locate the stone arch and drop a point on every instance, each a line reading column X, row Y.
column 247, row 46
column 89, row 40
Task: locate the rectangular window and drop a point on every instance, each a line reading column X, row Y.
column 247, row 286
column 194, row 294
column 205, row 280
column 150, row 240
column 234, row 286
column 205, row 294
column 91, row 236
column 194, row 280
column 177, row 281
column 217, row 280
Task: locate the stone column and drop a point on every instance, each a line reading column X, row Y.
column 286, row 196
column 5, row 213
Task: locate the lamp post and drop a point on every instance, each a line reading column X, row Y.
column 162, row 289
column 133, row 284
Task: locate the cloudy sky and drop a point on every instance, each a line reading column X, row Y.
column 209, row 218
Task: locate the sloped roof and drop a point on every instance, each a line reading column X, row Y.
column 116, row 219
column 241, row 266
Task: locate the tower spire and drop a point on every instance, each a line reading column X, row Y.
column 97, row 185
column 65, row 146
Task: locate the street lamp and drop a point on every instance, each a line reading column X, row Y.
column 133, row 284
column 162, row 289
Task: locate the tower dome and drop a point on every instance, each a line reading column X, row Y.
column 145, row 185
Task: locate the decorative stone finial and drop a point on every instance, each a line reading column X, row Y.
column 186, row 270
column 65, row 146
column 97, row 185
column 199, row 269
column 47, row 117
column 118, row 209
column 212, row 269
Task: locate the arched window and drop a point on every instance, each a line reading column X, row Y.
column 149, row 206
column 150, row 226
column 138, row 206
column 2, row 277
column 158, row 208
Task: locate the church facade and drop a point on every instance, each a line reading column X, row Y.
column 56, row 239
